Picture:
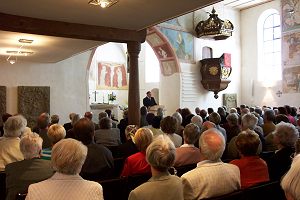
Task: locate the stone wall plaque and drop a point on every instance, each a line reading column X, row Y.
column 2, row 102
column 230, row 100
column 32, row 101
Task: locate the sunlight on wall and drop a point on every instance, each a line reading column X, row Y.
column 151, row 66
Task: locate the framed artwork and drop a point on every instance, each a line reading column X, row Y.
column 112, row 76
column 181, row 42
column 230, row 100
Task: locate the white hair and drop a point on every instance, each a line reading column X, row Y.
column 161, row 153
column 291, row 181
column 197, row 120
column 212, row 144
column 249, row 120
column 68, row 156
column 178, row 117
column 14, row 126
column 232, row 110
column 31, row 145
column 286, row 133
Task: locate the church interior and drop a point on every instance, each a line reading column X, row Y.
column 68, row 65
column 128, row 86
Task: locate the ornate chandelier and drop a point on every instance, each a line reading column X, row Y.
column 214, row 27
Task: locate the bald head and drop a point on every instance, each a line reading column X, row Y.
column 212, row 144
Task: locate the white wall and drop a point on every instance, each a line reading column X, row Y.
column 253, row 92
column 231, row 45
column 67, row 80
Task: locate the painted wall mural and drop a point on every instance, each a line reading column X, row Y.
column 290, row 46
column 112, row 76
column 181, row 42
column 290, row 15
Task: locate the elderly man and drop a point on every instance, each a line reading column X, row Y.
column 99, row 160
column 10, row 142
column 107, row 135
column 187, row 153
column 19, row 175
column 212, row 177
column 68, row 156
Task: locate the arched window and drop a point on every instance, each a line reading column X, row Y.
column 152, row 67
column 269, row 46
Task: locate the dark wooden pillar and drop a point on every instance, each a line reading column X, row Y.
column 134, row 49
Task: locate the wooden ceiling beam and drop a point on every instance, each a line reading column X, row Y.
column 30, row 25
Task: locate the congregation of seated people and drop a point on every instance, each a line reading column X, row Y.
column 214, row 152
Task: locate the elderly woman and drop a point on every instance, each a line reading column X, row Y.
column 107, row 135
column 136, row 163
column 249, row 122
column 285, row 137
column 232, row 126
column 291, row 181
column 187, row 153
column 20, row 174
column 128, row 148
column 55, row 133
column 253, row 170
column 168, row 125
column 160, row 155
column 10, row 142
column 197, row 120
column 179, row 127
column 66, row 182
column 216, row 119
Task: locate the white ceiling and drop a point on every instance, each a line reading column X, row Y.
column 243, row 4
column 126, row 14
column 47, row 49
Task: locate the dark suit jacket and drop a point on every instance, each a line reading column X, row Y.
column 280, row 163
column 19, row 175
column 46, row 140
column 99, row 163
column 149, row 102
column 68, row 126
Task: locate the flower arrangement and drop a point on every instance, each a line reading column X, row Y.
column 112, row 97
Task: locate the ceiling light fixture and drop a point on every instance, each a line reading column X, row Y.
column 26, row 41
column 12, row 58
column 103, row 3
